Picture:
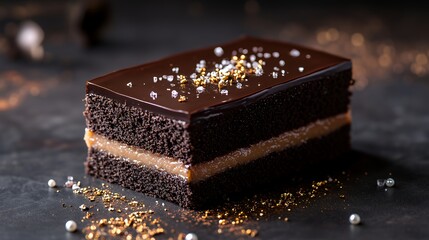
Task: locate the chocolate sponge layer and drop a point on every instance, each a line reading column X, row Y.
column 267, row 172
column 204, row 139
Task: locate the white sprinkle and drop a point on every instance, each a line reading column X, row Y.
column 267, row 55
column 203, row 62
column 200, row 89
column 224, row 92
column 276, row 68
column 283, row 72
column 71, row 226
column 175, row 69
column 252, row 58
column 69, row 182
column 193, row 76
column 75, row 187
column 260, row 54
column 155, row 79
column 294, row 53
column 130, row 84
column 255, row 49
column 301, row 69
column 259, row 72
column 170, row 78
column 381, row 182
column 52, row 183
column 275, row 74
column 234, row 53
column 153, row 95
column 282, row 63
column 248, row 65
column 308, row 56
column 239, row 85
column 174, row 94
column 163, row 76
column 191, row 236
column 276, row 54
column 245, row 51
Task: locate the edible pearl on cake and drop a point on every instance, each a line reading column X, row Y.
column 218, row 51
column 294, row 53
column 390, row 182
column 71, row 226
column 354, row 219
column 52, row 183
column 191, row 236
column 301, row 69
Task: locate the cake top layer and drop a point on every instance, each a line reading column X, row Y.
column 207, row 81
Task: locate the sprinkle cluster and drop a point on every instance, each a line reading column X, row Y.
column 226, row 73
column 230, row 71
column 133, row 219
column 137, row 222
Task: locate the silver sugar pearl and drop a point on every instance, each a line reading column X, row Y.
column 390, row 182
column 52, row 183
column 191, row 236
column 71, row 226
column 354, row 219
column 295, row 53
column 218, row 51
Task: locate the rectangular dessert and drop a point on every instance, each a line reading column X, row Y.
column 199, row 127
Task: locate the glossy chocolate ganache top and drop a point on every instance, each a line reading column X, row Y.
column 205, row 82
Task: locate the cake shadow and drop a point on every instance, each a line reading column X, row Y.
column 306, row 183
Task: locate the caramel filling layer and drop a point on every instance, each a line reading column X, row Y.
column 223, row 163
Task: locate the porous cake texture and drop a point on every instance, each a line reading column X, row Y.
column 215, row 123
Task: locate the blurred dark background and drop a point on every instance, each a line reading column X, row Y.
column 381, row 37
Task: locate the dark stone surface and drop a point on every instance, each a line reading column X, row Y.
column 41, row 137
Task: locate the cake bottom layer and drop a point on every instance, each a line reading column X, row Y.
column 267, row 172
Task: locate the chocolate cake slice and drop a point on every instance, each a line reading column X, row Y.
column 202, row 126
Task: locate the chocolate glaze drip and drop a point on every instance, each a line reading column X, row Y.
column 309, row 65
